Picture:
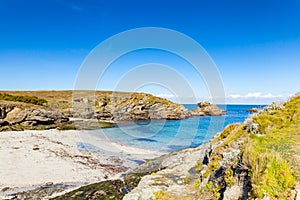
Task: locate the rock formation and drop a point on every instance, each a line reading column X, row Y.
column 19, row 116
column 206, row 108
column 59, row 107
column 136, row 106
column 252, row 110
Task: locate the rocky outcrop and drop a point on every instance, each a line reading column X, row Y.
column 111, row 108
column 136, row 106
column 206, row 108
column 20, row 116
column 252, row 110
column 139, row 106
column 211, row 171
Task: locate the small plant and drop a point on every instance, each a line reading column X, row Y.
column 197, row 184
column 216, row 193
column 228, row 178
column 209, row 186
column 186, row 180
column 198, row 167
column 162, row 195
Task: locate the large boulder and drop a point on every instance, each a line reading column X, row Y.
column 17, row 115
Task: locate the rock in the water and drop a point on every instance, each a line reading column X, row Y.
column 253, row 110
column 206, row 108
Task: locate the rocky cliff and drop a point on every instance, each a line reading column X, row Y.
column 88, row 109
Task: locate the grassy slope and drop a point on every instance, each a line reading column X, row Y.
column 274, row 157
column 62, row 99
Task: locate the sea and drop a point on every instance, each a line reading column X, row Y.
column 172, row 135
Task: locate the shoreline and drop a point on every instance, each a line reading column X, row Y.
column 31, row 159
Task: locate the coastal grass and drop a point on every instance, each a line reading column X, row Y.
column 274, row 155
column 24, row 99
column 63, row 99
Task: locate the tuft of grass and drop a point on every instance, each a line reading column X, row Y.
column 197, row 184
column 226, row 131
column 163, row 195
column 228, row 178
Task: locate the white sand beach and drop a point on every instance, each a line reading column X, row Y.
column 30, row 158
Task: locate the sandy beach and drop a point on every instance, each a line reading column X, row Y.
column 33, row 158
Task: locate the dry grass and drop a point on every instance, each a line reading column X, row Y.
column 62, row 99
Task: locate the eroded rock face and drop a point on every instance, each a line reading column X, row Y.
column 206, row 108
column 16, row 114
column 132, row 107
column 172, row 170
column 149, row 107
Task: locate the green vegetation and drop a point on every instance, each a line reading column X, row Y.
column 25, row 99
column 212, row 166
column 197, row 183
column 85, row 125
column 163, row 195
column 226, row 131
column 228, row 178
column 273, row 157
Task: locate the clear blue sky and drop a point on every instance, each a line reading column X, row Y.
column 255, row 44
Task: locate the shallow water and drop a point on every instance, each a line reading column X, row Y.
column 171, row 135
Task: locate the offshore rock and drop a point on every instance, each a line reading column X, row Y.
column 206, row 108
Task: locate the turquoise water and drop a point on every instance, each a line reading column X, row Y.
column 171, row 135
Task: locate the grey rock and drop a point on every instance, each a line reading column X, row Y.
column 233, row 193
column 229, row 156
column 254, row 128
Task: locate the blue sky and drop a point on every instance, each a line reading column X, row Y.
column 255, row 44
